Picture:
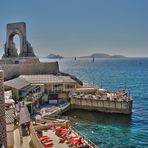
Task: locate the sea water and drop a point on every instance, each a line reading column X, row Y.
column 113, row 130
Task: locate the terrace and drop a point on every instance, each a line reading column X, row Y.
column 58, row 134
column 100, row 94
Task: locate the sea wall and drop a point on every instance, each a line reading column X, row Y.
column 60, row 110
column 14, row 70
column 102, row 105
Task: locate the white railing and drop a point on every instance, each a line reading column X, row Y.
column 89, row 142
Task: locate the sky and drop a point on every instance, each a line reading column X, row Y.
column 79, row 27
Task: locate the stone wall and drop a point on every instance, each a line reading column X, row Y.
column 14, row 70
column 3, row 137
column 19, row 60
column 102, row 105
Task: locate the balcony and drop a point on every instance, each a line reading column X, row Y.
column 33, row 96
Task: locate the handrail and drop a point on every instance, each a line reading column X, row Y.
column 89, row 142
column 58, row 117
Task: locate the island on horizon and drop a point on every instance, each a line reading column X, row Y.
column 54, row 56
column 94, row 55
column 102, row 55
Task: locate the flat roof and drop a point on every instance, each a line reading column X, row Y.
column 86, row 89
column 45, row 79
column 17, row 83
column 25, row 80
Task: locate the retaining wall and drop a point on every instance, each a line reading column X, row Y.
column 102, row 105
column 61, row 110
column 14, row 70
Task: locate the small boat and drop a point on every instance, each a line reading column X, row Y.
column 93, row 59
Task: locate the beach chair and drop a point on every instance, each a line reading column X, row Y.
column 43, row 138
column 72, row 137
column 47, row 140
column 62, row 140
column 48, row 144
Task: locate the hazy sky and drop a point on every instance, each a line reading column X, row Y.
column 80, row 27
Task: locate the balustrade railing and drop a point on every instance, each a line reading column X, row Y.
column 89, row 142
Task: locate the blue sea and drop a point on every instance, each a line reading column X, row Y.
column 113, row 130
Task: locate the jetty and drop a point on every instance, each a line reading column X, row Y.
column 102, row 100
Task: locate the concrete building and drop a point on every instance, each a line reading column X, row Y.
column 35, row 90
column 22, row 90
column 56, row 86
column 3, row 136
column 10, row 115
column 19, row 86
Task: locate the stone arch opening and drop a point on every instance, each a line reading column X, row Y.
column 14, row 43
column 12, row 50
column 16, row 40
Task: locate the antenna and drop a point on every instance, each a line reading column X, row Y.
column 101, row 83
column 125, row 85
column 93, row 81
column 93, row 59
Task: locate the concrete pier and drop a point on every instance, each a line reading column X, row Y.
column 102, row 105
column 90, row 98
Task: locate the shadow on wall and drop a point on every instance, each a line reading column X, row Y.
column 99, row 117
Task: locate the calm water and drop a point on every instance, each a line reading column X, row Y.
column 110, row 130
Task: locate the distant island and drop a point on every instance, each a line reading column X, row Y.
column 95, row 55
column 103, row 55
column 54, row 56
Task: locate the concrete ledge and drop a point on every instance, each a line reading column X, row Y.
column 102, row 105
column 102, row 109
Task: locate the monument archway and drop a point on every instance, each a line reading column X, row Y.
column 26, row 49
